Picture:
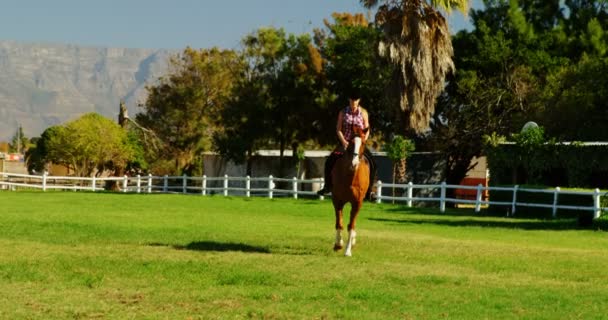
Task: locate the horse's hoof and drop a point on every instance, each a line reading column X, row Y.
column 348, row 254
column 338, row 247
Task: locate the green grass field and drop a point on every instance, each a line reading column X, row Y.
column 73, row 255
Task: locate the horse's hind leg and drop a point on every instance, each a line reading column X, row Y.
column 355, row 207
column 339, row 244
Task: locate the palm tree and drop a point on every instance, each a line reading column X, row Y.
column 418, row 41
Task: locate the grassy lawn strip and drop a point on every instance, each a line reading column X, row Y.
column 115, row 256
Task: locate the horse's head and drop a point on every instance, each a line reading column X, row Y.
column 357, row 145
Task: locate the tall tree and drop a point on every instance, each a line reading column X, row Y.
column 348, row 46
column 495, row 87
column 523, row 61
column 242, row 129
column 275, row 102
column 417, row 40
column 183, row 106
column 19, row 142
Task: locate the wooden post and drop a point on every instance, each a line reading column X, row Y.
column 225, row 185
column 138, row 183
column 555, row 195
column 478, row 198
column 270, row 186
column 149, row 183
column 597, row 211
column 514, row 203
column 44, row 175
column 442, row 198
column 125, row 183
column 248, row 186
column 295, row 187
column 379, row 190
column 185, row 184
column 410, row 194
column 204, row 185
column 165, row 183
column 321, row 197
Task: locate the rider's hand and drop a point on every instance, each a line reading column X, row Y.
column 345, row 145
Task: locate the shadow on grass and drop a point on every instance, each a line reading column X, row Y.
column 561, row 224
column 216, row 246
column 435, row 211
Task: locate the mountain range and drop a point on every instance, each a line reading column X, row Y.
column 42, row 85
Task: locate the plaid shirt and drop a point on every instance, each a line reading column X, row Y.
column 350, row 120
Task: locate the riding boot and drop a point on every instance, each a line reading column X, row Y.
column 372, row 174
column 329, row 164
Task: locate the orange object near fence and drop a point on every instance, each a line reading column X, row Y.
column 472, row 193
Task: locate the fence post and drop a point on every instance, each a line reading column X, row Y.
column 248, row 186
column 93, row 183
column 514, row 203
column 204, row 185
column 379, row 192
column 225, row 185
column 270, row 186
column 478, row 199
column 149, row 183
column 410, row 194
column 125, row 183
column 295, row 187
column 184, row 183
column 321, row 197
column 138, row 183
column 44, row 175
column 165, row 183
column 442, row 198
column 554, row 209
column 597, row 210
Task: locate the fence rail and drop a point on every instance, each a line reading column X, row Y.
column 267, row 186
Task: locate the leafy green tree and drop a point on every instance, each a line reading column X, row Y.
column 183, row 107
column 578, row 93
column 398, row 150
column 90, row 144
column 243, row 130
column 350, row 60
column 274, row 103
column 38, row 156
column 523, row 61
column 496, row 86
column 293, row 95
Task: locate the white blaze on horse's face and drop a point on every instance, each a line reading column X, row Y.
column 356, row 152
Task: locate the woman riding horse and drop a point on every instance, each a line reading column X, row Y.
column 351, row 117
column 351, row 180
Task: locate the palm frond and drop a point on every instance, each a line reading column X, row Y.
column 417, row 39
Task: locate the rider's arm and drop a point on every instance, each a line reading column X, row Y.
column 366, row 124
column 339, row 130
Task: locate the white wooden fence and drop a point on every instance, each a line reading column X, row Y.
column 203, row 185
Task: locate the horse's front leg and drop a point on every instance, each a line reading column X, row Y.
column 354, row 211
column 339, row 244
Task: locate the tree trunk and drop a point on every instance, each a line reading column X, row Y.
column 402, row 170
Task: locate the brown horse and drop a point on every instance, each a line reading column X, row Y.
column 350, row 176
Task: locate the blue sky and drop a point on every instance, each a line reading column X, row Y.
column 165, row 24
